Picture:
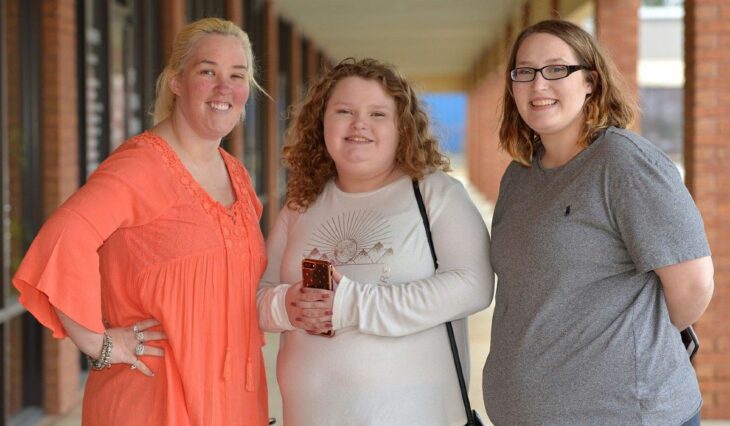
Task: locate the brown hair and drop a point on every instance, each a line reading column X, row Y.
column 610, row 103
column 182, row 48
column 305, row 154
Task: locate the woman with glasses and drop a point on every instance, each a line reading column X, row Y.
column 599, row 250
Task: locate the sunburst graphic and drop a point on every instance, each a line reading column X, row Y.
column 355, row 237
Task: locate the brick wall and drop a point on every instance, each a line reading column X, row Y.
column 486, row 161
column 617, row 28
column 59, row 141
column 707, row 154
column 234, row 12
column 270, row 65
column 172, row 20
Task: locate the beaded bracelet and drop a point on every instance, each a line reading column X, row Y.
column 106, row 353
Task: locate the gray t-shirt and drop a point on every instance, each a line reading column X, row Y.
column 581, row 334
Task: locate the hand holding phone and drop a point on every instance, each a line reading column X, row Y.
column 317, row 273
column 690, row 340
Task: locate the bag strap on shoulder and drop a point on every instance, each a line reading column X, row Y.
column 449, row 328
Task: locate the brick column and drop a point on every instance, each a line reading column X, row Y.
column 270, row 84
column 617, row 28
column 59, row 141
column 295, row 59
column 706, row 155
column 555, row 9
column 311, row 63
column 234, row 13
column 487, row 162
column 172, row 20
column 471, row 147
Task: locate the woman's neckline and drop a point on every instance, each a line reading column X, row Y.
column 576, row 159
column 359, row 194
column 194, row 185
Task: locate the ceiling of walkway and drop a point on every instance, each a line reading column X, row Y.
column 434, row 42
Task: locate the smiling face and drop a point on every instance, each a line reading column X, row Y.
column 360, row 131
column 213, row 87
column 552, row 108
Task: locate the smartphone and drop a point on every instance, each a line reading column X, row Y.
column 690, row 340
column 318, row 274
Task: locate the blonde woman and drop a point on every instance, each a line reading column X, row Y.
column 166, row 228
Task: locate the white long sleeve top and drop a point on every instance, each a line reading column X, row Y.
column 389, row 362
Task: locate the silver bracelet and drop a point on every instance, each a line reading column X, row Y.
column 106, row 353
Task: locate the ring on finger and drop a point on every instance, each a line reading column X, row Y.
column 139, row 335
column 133, row 365
column 135, row 329
column 139, row 349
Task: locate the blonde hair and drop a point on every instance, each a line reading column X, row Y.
column 182, row 48
column 305, row 154
column 609, row 104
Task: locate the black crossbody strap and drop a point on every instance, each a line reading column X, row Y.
column 426, row 223
column 449, row 328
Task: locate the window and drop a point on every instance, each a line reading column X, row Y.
column 283, row 99
column 118, row 66
column 254, row 151
column 197, row 9
column 662, row 119
column 93, row 86
column 21, row 203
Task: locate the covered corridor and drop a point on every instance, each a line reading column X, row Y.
column 77, row 78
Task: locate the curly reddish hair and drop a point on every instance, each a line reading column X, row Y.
column 305, row 154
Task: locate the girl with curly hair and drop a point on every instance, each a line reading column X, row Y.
column 357, row 142
column 599, row 249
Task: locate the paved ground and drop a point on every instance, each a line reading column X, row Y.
column 479, row 333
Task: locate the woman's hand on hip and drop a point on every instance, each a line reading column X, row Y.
column 131, row 344
column 127, row 343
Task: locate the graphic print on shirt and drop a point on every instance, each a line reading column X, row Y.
column 361, row 237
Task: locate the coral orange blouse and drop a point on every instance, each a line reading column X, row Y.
column 142, row 239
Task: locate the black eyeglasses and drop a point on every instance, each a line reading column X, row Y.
column 549, row 72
